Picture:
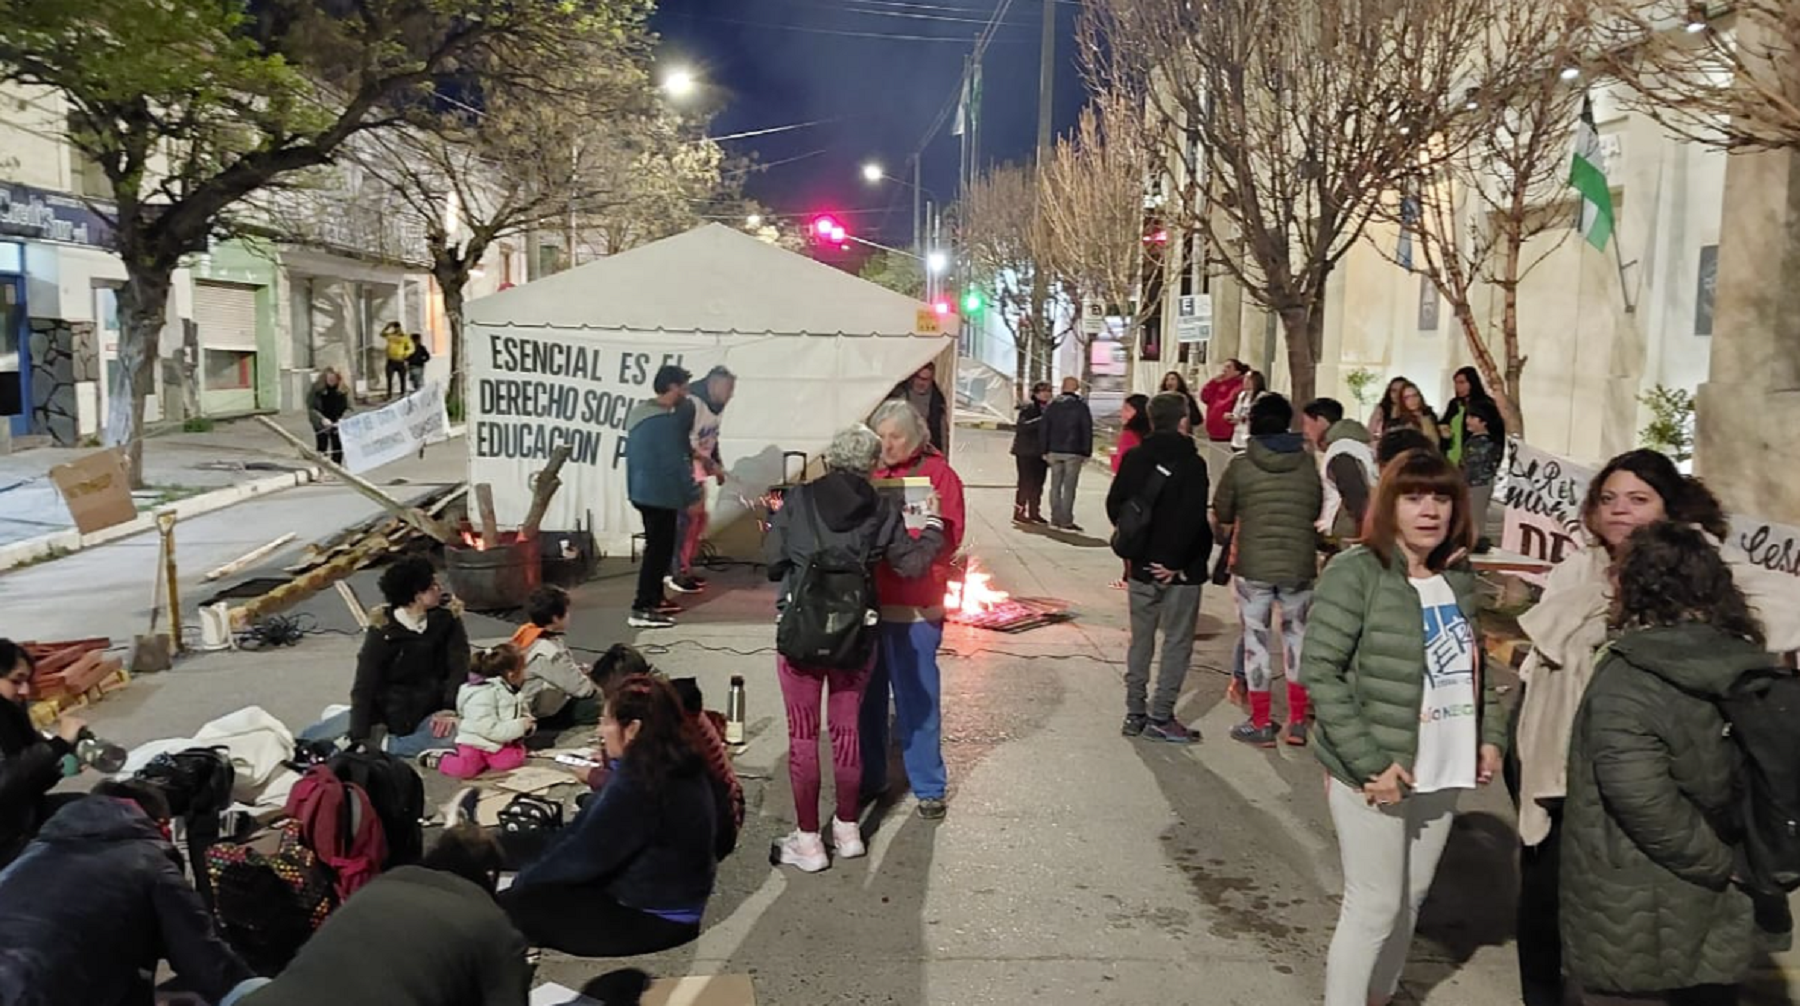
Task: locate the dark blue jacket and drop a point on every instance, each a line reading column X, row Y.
column 659, row 457
column 649, row 849
column 1068, row 426
column 95, row 899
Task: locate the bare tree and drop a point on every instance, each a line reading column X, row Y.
column 1092, row 194
column 1292, row 120
column 1007, row 242
column 668, row 186
column 1498, row 182
column 1723, row 74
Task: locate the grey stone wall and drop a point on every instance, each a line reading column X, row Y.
column 63, row 355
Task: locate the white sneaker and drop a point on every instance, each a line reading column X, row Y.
column 804, row 849
column 846, row 839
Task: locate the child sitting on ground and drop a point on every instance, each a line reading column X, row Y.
column 493, row 716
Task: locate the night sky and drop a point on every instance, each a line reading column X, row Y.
column 880, row 71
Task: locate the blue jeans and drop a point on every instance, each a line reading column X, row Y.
column 408, row 746
column 906, row 663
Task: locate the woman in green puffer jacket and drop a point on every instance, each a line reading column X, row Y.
column 1406, row 717
column 1650, row 910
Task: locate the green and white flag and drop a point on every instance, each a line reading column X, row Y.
column 1589, row 179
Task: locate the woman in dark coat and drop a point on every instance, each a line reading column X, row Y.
column 30, row 765
column 1651, row 910
column 1028, row 456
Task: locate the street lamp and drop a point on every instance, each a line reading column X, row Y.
column 872, row 173
column 753, row 221
column 679, row 83
column 937, row 262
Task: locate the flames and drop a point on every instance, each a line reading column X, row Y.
column 971, row 595
column 473, row 540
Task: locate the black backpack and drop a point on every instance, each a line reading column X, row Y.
column 197, row 784
column 1131, row 532
column 830, row 614
column 398, row 795
column 1762, row 708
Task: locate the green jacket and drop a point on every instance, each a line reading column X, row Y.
column 1647, row 899
column 1272, row 493
column 1363, row 663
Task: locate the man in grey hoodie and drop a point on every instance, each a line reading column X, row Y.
column 659, row 478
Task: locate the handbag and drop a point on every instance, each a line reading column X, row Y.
column 528, row 824
column 1131, row 532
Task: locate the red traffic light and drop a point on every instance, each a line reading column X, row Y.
column 942, row 307
column 826, row 226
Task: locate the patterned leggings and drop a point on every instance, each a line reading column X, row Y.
column 800, row 688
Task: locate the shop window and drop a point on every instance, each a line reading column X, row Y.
column 228, row 370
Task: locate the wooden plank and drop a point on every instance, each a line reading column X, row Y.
column 260, row 552
column 408, row 514
column 544, row 486
column 490, row 525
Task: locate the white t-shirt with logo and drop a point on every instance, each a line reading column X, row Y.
column 1448, row 734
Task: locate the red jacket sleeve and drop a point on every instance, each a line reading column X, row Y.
column 949, row 489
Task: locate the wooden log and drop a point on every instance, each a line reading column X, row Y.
column 308, row 584
column 490, row 525
column 260, row 552
column 408, row 514
column 544, row 486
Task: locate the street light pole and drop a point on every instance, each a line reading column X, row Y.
column 918, row 195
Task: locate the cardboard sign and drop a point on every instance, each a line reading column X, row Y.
column 915, row 496
column 396, row 430
column 97, row 491
column 1542, row 497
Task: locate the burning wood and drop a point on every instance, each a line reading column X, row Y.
column 971, row 595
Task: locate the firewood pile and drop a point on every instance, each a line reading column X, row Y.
column 71, row 673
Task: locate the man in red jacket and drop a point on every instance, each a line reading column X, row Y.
column 1220, row 396
column 912, row 623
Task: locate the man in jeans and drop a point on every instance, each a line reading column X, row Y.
column 1165, row 472
column 1068, row 443
column 1272, row 493
column 659, row 478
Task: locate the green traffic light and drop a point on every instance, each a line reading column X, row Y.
column 972, row 302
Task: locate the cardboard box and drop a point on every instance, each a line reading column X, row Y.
column 97, row 491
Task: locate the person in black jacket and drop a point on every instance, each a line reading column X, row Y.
column 326, row 405
column 30, row 765
column 1028, row 455
column 926, row 398
column 1164, row 585
column 97, row 900
column 632, row 874
column 839, row 510
column 414, row 658
column 425, row 935
column 1068, row 444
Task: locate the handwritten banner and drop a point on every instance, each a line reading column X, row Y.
column 373, row 439
column 1543, row 494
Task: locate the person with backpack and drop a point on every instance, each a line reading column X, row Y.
column 912, row 624
column 97, row 900
column 1157, row 505
column 493, row 716
column 1654, row 905
column 633, row 873
column 1568, row 627
column 425, row 935
column 822, row 547
column 414, row 658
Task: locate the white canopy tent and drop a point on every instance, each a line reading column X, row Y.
column 565, row 358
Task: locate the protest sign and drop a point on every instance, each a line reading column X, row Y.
column 1542, row 498
column 387, row 434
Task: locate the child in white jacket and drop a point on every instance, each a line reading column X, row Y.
column 494, row 716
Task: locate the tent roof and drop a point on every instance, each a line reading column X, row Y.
column 712, row 278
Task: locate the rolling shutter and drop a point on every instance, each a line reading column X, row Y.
column 226, row 316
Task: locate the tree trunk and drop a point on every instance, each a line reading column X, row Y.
column 1510, row 397
column 1021, row 364
column 451, row 280
column 143, row 311
column 1304, row 328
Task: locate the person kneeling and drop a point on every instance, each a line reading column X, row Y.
column 493, row 716
column 633, row 872
column 97, row 900
column 426, row 935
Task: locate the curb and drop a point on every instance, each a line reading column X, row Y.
column 58, row 543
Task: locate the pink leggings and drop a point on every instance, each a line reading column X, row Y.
column 467, row 762
column 800, row 688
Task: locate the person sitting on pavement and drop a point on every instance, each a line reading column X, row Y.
column 1068, row 444
column 632, row 874
column 493, row 717
column 30, row 765
column 1271, row 493
column 1165, row 578
column 1347, row 467
column 414, row 659
column 840, row 510
column 97, row 900
column 558, row 689
column 911, row 626
column 425, row 935
column 622, row 661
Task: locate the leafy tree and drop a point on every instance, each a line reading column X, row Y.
column 189, row 107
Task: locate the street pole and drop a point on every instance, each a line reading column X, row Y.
column 918, row 195
column 1040, row 286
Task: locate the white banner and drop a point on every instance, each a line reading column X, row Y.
column 532, row 388
column 1543, row 494
column 373, row 439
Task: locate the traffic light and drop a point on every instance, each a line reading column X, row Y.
column 972, row 302
column 824, row 225
column 942, row 307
